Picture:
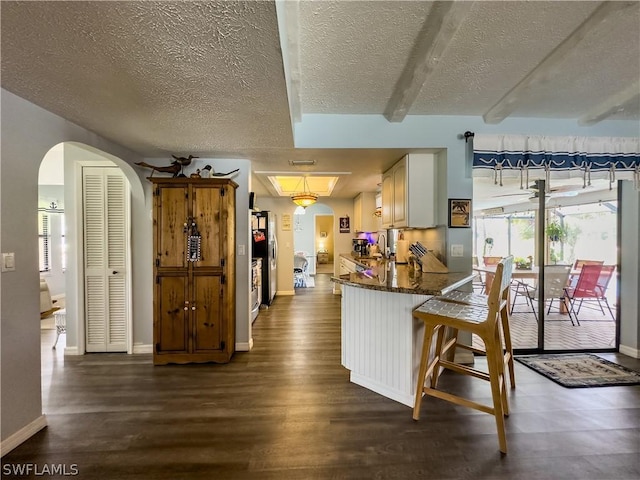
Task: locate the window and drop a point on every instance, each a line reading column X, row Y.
column 44, row 242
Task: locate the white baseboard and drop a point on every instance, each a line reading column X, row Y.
column 22, row 435
column 286, row 292
column 629, row 351
column 71, row 351
column 142, row 348
column 244, row 346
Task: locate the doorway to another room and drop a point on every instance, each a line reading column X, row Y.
column 313, row 243
column 553, row 309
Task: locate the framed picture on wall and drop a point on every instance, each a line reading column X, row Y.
column 345, row 226
column 459, row 213
column 286, row 221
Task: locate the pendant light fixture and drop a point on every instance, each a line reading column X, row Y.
column 305, row 198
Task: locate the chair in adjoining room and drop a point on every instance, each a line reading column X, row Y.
column 577, row 266
column 46, row 302
column 300, row 266
column 440, row 317
column 556, row 278
column 586, row 287
column 606, row 273
column 477, row 283
column 488, row 278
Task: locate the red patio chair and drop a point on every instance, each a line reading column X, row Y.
column 578, row 264
column 586, row 287
column 601, row 289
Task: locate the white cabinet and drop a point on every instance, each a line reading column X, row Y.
column 364, row 207
column 409, row 192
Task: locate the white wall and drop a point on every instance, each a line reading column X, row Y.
column 630, row 270
column 28, row 133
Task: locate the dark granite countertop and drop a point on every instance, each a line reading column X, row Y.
column 389, row 276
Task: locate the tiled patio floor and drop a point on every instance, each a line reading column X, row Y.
column 596, row 331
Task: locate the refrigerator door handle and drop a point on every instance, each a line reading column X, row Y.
column 275, row 248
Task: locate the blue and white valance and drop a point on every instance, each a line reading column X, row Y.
column 543, row 156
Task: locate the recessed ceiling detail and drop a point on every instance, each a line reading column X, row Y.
column 288, row 185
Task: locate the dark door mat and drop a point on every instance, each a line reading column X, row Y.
column 579, row 370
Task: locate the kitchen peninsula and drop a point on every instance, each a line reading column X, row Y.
column 381, row 341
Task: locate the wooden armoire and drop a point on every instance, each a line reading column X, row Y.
column 194, row 270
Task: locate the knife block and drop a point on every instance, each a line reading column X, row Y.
column 431, row 264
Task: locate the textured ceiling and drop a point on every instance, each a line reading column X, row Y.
column 208, row 78
column 157, row 77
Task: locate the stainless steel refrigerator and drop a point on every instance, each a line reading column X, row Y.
column 265, row 246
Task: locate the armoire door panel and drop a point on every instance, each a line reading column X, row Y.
column 172, row 314
column 171, row 217
column 207, row 313
column 207, row 208
column 194, row 317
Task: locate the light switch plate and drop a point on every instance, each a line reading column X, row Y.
column 9, row 262
column 242, row 249
column 457, row 250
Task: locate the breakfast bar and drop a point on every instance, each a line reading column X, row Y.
column 381, row 341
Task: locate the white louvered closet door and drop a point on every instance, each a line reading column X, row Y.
column 105, row 195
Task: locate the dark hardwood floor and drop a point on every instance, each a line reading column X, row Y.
column 287, row 410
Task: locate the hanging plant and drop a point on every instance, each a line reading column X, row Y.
column 556, row 232
column 488, row 245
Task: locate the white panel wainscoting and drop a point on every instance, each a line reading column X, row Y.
column 381, row 341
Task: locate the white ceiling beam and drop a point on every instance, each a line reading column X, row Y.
column 438, row 30
column 546, row 69
column 288, row 13
column 614, row 104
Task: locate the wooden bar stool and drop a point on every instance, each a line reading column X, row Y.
column 438, row 316
column 480, row 299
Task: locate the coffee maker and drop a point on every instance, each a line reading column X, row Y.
column 360, row 247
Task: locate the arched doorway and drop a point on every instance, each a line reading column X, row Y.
column 314, row 238
column 94, row 297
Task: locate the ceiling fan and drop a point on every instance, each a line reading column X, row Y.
column 560, row 191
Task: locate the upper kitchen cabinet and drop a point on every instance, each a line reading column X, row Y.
column 409, row 193
column 364, row 208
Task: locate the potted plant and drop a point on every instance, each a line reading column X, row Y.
column 555, row 232
column 523, row 263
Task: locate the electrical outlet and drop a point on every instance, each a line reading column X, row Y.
column 457, row 250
